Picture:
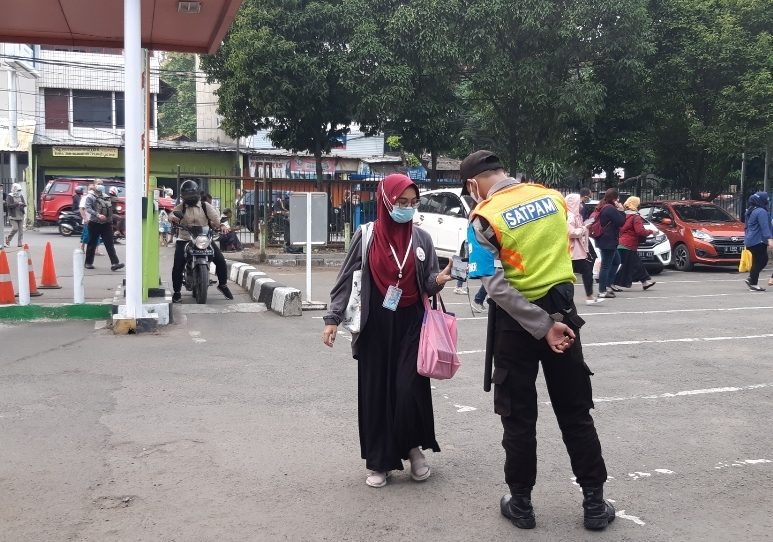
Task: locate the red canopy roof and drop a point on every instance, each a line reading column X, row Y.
column 99, row 23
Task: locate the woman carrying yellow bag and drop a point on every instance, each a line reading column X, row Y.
column 757, row 238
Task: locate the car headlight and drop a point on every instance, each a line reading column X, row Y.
column 702, row 235
column 201, row 242
column 660, row 238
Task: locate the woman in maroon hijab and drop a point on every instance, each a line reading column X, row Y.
column 395, row 402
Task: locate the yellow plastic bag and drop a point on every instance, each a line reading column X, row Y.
column 746, row 261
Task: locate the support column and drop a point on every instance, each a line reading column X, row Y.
column 134, row 155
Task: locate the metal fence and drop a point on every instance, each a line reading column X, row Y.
column 257, row 202
column 733, row 203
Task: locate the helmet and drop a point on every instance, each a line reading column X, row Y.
column 189, row 192
column 80, row 190
column 168, row 192
column 113, row 192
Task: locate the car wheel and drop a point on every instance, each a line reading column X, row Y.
column 682, row 258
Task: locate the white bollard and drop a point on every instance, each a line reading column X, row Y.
column 22, row 266
column 78, row 261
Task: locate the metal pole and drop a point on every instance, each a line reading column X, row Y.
column 347, row 235
column 13, row 123
column 308, row 247
column 743, row 188
column 22, row 269
column 767, row 168
column 78, row 259
column 133, row 154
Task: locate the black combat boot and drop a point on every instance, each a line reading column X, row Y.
column 598, row 512
column 518, row 509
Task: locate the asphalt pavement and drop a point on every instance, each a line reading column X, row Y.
column 244, row 427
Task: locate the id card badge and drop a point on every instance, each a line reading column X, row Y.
column 392, row 298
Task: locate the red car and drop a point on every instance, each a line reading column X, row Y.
column 57, row 197
column 699, row 232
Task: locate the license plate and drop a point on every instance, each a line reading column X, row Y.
column 646, row 255
column 733, row 250
column 208, row 252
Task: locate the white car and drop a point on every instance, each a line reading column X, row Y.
column 654, row 251
column 443, row 214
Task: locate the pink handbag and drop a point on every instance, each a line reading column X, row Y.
column 437, row 345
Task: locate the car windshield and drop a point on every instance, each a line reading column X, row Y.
column 702, row 213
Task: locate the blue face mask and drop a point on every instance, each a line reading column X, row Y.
column 401, row 215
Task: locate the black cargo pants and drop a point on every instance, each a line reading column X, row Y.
column 516, row 362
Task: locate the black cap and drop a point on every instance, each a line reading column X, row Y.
column 477, row 163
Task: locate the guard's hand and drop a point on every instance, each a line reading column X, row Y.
column 445, row 275
column 223, row 228
column 329, row 335
column 102, row 217
column 560, row 337
column 173, row 219
column 770, row 243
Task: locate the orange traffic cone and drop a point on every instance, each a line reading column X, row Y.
column 48, row 280
column 33, row 289
column 6, row 286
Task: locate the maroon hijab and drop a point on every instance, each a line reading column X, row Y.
column 386, row 232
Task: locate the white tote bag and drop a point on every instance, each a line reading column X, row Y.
column 353, row 309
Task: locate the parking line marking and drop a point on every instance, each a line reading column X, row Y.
column 670, row 311
column 680, row 393
column 657, row 341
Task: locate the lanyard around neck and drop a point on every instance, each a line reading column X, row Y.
column 405, row 259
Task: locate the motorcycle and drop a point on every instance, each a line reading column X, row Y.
column 70, row 222
column 198, row 255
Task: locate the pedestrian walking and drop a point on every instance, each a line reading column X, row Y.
column 82, row 209
column 612, row 218
column 460, row 288
column 520, row 251
column 578, row 245
column 631, row 267
column 16, row 212
column 757, row 238
column 99, row 211
column 164, row 228
column 477, row 301
column 396, row 420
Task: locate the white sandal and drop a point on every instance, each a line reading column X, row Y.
column 420, row 470
column 377, row 479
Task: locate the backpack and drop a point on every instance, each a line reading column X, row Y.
column 103, row 206
column 595, row 229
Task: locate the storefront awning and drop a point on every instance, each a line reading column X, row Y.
column 24, row 138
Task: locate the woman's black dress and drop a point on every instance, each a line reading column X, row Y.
column 631, row 269
column 395, row 402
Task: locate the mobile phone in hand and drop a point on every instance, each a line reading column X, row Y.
column 458, row 268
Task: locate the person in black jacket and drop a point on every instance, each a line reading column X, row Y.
column 612, row 217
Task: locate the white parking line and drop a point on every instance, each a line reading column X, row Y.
column 679, row 393
column 657, row 341
column 671, row 311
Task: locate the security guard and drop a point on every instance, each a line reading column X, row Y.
column 519, row 248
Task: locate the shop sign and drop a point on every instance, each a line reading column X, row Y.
column 87, row 152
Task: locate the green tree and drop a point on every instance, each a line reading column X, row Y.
column 405, row 63
column 712, row 87
column 177, row 115
column 532, row 64
column 281, row 67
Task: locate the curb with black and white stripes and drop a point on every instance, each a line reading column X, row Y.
column 283, row 300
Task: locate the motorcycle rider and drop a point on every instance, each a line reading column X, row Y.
column 196, row 213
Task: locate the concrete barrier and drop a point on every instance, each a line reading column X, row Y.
column 281, row 299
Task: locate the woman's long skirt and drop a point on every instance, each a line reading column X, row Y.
column 395, row 402
column 631, row 269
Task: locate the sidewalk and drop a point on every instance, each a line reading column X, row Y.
column 100, row 283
